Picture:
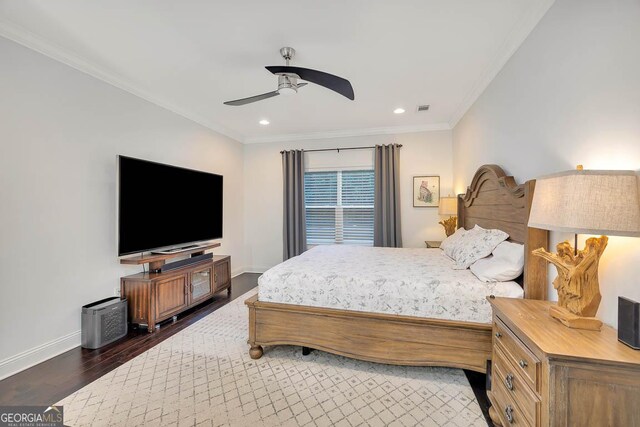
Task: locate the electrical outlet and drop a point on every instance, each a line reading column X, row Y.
column 116, row 291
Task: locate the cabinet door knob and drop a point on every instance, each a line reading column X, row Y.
column 498, row 335
column 508, row 381
column 523, row 364
column 508, row 412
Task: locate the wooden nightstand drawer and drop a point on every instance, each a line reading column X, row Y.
column 514, row 386
column 517, row 353
column 506, row 408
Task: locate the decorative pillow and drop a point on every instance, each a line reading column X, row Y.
column 452, row 244
column 478, row 243
column 506, row 263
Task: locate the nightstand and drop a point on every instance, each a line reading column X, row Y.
column 545, row 374
column 433, row 244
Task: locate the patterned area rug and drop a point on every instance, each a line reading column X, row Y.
column 203, row 376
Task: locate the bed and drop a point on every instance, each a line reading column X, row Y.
column 408, row 282
column 400, row 306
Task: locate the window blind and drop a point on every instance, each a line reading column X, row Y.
column 339, row 207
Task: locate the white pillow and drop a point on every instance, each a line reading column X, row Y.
column 510, row 252
column 452, row 244
column 478, row 243
column 506, row 263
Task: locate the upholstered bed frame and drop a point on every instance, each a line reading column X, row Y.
column 493, row 200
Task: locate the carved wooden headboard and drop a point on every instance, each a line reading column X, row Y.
column 494, row 200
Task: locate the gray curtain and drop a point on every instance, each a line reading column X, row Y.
column 386, row 226
column 295, row 233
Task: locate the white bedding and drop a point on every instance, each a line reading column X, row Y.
column 412, row 282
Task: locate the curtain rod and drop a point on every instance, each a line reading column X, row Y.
column 338, row 149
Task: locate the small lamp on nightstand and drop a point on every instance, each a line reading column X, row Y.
column 584, row 202
column 449, row 206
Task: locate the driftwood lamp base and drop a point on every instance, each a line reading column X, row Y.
column 577, row 283
column 449, row 225
column 574, row 321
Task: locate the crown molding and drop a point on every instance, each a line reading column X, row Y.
column 516, row 37
column 514, row 40
column 390, row 130
column 27, row 39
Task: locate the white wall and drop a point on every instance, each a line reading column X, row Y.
column 423, row 153
column 60, row 132
column 570, row 95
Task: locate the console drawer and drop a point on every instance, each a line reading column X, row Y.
column 517, row 353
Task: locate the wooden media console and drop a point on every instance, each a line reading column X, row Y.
column 156, row 296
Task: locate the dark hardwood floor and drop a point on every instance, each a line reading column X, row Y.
column 478, row 383
column 56, row 378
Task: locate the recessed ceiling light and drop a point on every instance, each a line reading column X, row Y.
column 264, row 122
column 398, row 111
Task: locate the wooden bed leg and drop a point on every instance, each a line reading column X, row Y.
column 255, row 352
column 306, row 351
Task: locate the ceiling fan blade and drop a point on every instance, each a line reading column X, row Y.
column 251, row 99
column 335, row 83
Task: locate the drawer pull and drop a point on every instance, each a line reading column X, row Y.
column 498, row 335
column 508, row 412
column 508, row 381
column 523, row 364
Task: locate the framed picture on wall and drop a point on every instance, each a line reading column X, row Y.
column 426, row 191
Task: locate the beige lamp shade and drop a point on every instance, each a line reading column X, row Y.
column 588, row 202
column 448, row 206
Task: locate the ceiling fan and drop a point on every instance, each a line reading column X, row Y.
column 288, row 77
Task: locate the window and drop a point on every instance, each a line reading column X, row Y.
column 339, row 207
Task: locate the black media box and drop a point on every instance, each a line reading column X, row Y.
column 629, row 322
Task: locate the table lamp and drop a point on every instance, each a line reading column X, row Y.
column 449, row 206
column 601, row 202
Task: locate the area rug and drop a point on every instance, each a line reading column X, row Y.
column 203, row 376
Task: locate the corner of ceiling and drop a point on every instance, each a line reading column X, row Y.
column 29, row 40
column 512, row 43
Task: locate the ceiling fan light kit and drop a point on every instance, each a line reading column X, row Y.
column 287, row 85
column 288, row 77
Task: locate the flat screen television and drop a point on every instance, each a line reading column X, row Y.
column 161, row 206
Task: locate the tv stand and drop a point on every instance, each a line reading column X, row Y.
column 153, row 297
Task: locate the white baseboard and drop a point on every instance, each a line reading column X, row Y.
column 237, row 271
column 31, row 357
column 255, row 269
column 243, row 270
column 25, row 360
